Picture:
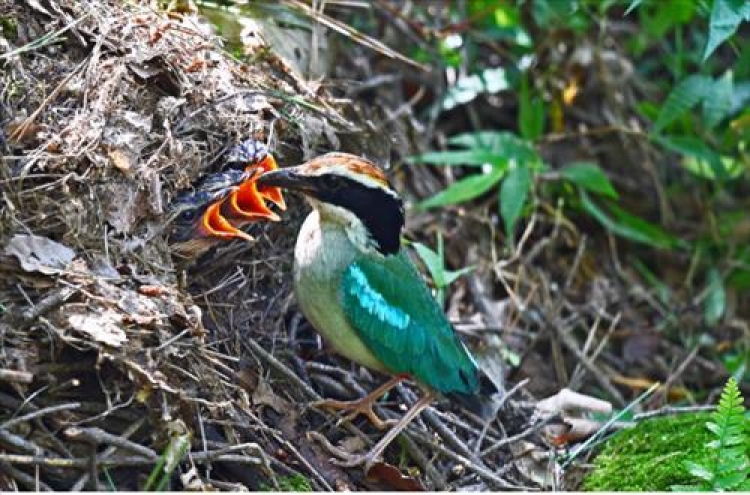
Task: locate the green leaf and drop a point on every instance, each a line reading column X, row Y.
column 513, row 194
column 465, row 189
column 530, row 113
column 716, row 300
column 687, row 488
column 718, row 103
column 693, row 147
column 633, row 5
column 452, row 275
column 684, row 97
column 629, row 226
column 726, row 16
column 474, row 157
column 732, row 168
column 503, row 144
column 731, row 480
column 591, row 177
column 433, row 262
column 699, row 471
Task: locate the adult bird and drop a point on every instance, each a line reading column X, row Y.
column 359, row 289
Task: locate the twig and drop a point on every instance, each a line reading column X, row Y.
column 93, row 469
column 482, row 472
column 605, row 427
column 291, row 448
column 281, row 368
column 38, row 413
column 78, row 486
column 31, row 483
column 680, row 369
column 50, row 302
column 672, row 410
column 129, row 461
column 445, row 433
column 20, row 443
column 23, row 128
column 16, row 376
column 97, row 436
column 570, row 343
column 527, row 432
column 430, row 470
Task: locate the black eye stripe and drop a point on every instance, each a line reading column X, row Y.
column 381, row 213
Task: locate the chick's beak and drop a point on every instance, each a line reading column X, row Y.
column 287, row 178
column 213, row 224
column 272, row 194
column 246, row 204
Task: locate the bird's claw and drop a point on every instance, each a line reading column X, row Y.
column 366, row 461
column 356, row 407
column 342, row 458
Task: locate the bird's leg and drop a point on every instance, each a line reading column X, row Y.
column 363, row 405
column 369, row 458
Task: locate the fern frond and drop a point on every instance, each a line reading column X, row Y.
column 728, row 468
column 731, row 468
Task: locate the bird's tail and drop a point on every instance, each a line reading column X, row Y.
column 484, row 403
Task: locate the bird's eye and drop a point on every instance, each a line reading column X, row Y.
column 188, row 215
column 332, row 181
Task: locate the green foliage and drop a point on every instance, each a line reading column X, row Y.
column 589, row 177
column 716, row 300
column 530, row 113
column 650, row 455
column 8, row 27
column 728, row 466
column 158, row 479
column 628, row 226
column 701, row 114
column 513, row 194
column 435, row 263
column 508, row 159
column 726, row 17
column 467, row 188
column 294, row 483
column 683, row 98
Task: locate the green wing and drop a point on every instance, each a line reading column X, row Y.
column 394, row 314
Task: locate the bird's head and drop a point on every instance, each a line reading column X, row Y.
column 195, row 222
column 351, row 191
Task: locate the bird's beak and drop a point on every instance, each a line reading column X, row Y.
column 272, row 194
column 288, row 178
column 246, row 204
column 213, row 224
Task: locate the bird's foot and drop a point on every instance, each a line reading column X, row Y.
column 361, row 406
column 345, row 459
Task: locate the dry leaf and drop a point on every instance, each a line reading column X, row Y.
column 265, row 395
column 121, row 160
column 534, row 464
column 104, row 328
column 393, row 478
column 39, row 254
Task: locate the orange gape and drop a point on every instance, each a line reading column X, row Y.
column 247, row 202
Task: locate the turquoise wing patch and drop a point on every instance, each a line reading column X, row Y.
column 391, row 309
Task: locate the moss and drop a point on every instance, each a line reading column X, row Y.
column 8, row 27
column 650, row 456
column 293, row 483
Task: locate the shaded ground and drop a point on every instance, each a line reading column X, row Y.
column 111, row 356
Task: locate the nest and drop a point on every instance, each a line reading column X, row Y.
column 109, row 111
column 116, row 366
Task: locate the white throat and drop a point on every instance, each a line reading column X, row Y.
column 355, row 230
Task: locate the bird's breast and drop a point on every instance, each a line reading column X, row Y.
column 322, row 254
